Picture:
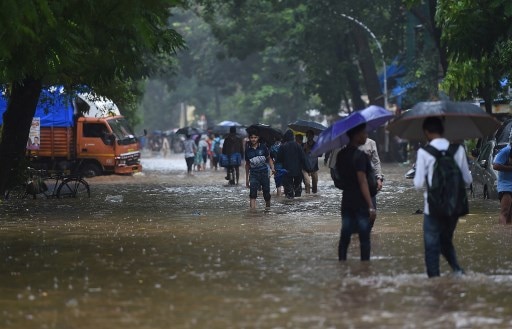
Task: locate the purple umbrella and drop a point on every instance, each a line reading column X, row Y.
column 336, row 135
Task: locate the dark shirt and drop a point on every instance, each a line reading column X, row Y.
column 257, row 157
column 349, row 161
column 292, row 157
column 232, row 144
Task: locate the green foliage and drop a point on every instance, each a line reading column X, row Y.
column 95, row 43
column 278, row 57
column 478, row 38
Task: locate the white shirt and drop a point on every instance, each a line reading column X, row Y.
column 425, row 165
column 370, row 148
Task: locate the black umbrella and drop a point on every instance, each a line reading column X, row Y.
column 461, row 121
column 302, row 126
column 189, row 131
column 265, row 132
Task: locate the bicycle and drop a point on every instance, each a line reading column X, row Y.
column 59, row 185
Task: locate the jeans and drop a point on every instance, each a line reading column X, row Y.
column 292, row 185
column 257, row 179
column 355, row 220
column 190, row 162
column 438, row 236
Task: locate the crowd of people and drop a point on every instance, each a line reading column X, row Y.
column 291, row 164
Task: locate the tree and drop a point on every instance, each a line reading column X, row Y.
column 311, row 38
column 91, row 42
column 478, row 38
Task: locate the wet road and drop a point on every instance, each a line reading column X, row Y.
column 163, row 250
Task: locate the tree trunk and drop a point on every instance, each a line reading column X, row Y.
column 217, row 102
column 16, row 127
column 367, row 66
column 347, row 102
column 486, row 92
column 355, row 91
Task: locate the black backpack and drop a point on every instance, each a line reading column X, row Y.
column 447, row 195
column 339, row 182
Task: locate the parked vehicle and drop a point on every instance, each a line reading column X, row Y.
column 485, row 178
column 86, row 135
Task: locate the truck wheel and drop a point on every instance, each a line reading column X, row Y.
column 90, row 170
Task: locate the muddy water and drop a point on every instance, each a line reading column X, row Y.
column 163, row 250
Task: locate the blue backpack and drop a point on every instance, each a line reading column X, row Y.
column 446, row 195
column 216, row 148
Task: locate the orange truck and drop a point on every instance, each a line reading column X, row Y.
column 86, row 134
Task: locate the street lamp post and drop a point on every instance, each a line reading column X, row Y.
column 367, row 29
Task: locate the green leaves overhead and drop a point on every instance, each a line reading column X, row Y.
column 477, row 36
column 90, row 42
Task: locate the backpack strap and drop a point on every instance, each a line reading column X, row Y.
column 433, row 151
column 452, row 149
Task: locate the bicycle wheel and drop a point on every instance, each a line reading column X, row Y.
column 73, row 188
column 17, row 192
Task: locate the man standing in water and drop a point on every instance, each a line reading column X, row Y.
column 438, row 231
column 256, row 170
column 190, row 152
column 233, row 148
column 292, row 157
column 357, row 210
column 311, row 178
column 503, row 164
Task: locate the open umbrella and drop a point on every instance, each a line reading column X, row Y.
column 302, row 126
column 335, row 136
column 189, row 131
column 228, row 123
column 222, row 128
column 461, row 120
column 265, row 132
column 324, row 142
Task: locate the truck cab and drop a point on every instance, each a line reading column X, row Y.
column 106, row 145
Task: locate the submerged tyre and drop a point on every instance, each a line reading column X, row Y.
column 90, row 170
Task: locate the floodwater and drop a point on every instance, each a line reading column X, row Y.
column 163, row 250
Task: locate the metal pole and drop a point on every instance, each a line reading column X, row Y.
column 381, row 53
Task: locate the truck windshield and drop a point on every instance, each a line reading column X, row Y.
column 122, row 131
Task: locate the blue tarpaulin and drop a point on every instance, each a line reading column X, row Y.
column 55, row 108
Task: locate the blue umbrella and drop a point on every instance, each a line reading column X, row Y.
column 336, row 135
column 324, row 142
column 229, row 123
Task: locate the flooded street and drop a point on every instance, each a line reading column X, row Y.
column 163, row 250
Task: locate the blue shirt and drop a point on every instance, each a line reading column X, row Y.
column 257, row 157
column 504, row 177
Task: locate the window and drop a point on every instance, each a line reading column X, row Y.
column 95, row 130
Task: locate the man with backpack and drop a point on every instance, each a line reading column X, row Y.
column 216, row 151
column 357, row 209
column 443, row 168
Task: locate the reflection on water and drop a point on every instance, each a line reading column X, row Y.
column 164, row 250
